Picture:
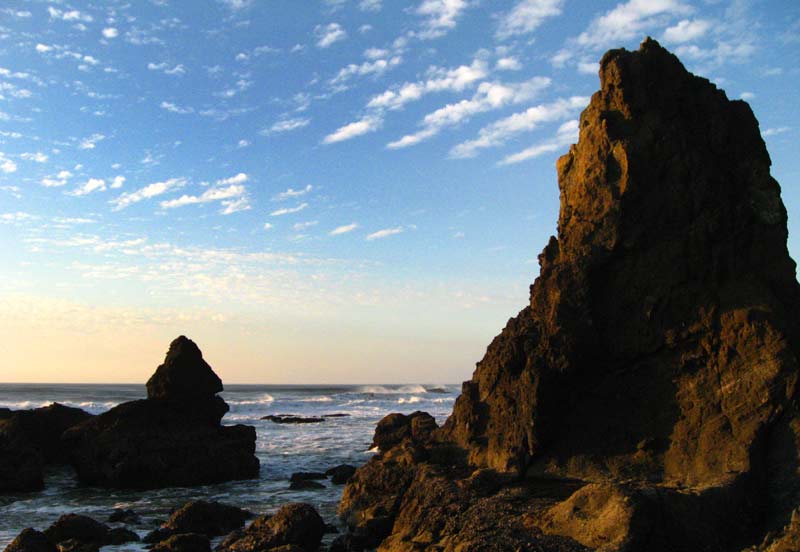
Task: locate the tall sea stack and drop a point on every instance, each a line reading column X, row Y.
column 646, row 398
column 172, row 438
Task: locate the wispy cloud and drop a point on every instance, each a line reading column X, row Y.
column 91, row 142
column 566, row 134
column 167, row 69
column 110, row 32
column 173, row 108
column 343, row 229
column 150, row 191
column 367, row 124
column 91, row 185
column 527, row 15
column 440, row 16
column 288, row 210
column 385, row 233
column 230, row 192
column 686, row 30
column 292, row 193
column 329, row 34
column 287, row 125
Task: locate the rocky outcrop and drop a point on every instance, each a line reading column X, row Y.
column 30, row 439
column 31, row 540
column 173, row 438
column 296, row 524
column 646, row 398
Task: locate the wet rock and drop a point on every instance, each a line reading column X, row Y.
column 173, row 438
column 645, row 398
column 336, row 415
column 305, row 485
column 121, row 515
column 307, row 476
column 207, row 518
column 185, row 542
column 294, row 524
column 120, row 535
column 31, row 540
column 341, row 474
column 289, row 419
column 80, row 528
column 74, row 545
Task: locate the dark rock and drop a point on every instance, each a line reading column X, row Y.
column 74, row 545
column 172, row 439
column 294, row 524
column 307, row 476
column 305, row 485
column 341, row 474
column 289, row 419
column 207, row 518
column 158, row 535
column 394, row 428
column 21, row 463
column 331, row 529
column 657, row 358
column 348, row 543
column 336, row 415
column 80, row 528
column 120, row 535
column 31, row 540
column 185, row 542
column 184, row 374
column 120, row 515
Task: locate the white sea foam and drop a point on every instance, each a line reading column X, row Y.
column 409, row 400
column 381, row 390
column 266, row 398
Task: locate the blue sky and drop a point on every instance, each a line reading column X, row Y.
column 343, row 190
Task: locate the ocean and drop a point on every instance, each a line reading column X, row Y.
column 281, row 448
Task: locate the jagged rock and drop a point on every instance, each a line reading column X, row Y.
column 394, row 428
column 294, row 524
column 173, row 438
column 185, row 542
column 74, row 545
column 31, row 540
column 184, row 374
column 341, row 474
column 646, row 398
column 30, row 439
column 202, row 517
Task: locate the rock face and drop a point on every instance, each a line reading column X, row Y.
column 295, row 525
column 173, row 438
column 646, row 398
column 29, row 439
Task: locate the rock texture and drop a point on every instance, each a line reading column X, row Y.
column 30, row 439
column 296, row 526
column 201, row 517
column 646, row 398
column 173, row 438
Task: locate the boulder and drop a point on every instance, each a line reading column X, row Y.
column 307, row 476
column 123, row 515
column 172, row 438
column 80, row 528
column 646, row 397
column 290, row 419
column 211, row 519
column 341, row 474
column 31, row 540
column 294, row 524
column 394, row 428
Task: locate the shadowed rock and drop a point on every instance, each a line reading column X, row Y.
column 294, row 524
column 211, row 519
column 31, row 540
column 646, row 398
column 173, row 438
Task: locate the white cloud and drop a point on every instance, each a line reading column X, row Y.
column 110, row 32
column 329, row 34
column 19, row 216
column 386, row 232
column 567, row 134
column 43, row 48
column 378, row 67
column 747, row 96
column 59, row 180
column 69, row 15
column 292, row 193
column 775, row 130
column 300, row 226
column 627, row 21
column 165, row 68
column 38, row 157
column 686, row 30
column 151, row 190
column 440, row 16
column 267, row 226
column 439, row 80
column 370, row 5
column 236, row 5
column 118, row 182
column 508, row 64
column 365, row 125
column 91, row 141
column 489, row 96
column 7, row 165
column 287, row 125
column 243, row 143
column 343, row 229
column 235, row 205
column 527, row 15
column 91, row 185
column 231, row 192
column 288, row 210
column 498, row 132
column 173, row 108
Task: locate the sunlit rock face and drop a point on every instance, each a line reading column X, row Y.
column 657, row 362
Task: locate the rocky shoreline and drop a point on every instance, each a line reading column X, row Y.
column 646, row 399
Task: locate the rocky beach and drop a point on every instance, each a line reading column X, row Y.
column 645, row 399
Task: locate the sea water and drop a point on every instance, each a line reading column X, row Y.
column 282, row 449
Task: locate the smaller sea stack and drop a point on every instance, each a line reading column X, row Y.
column 172, row 438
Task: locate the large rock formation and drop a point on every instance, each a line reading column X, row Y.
column 30, row 439
column 173, row 438
column 646, row 398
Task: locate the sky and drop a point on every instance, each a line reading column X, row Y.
column 334, row 191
